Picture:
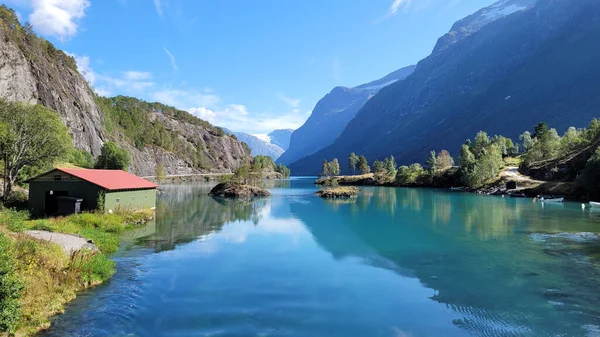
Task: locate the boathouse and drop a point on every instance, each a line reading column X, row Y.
column 72, row 190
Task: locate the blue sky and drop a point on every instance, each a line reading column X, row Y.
column 250, row 66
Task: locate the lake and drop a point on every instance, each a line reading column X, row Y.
column 394, row 262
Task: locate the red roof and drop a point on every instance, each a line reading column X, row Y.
column 110, row 179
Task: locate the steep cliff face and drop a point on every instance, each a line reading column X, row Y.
column 32, row 70
column 533, row 65
column 331, row 115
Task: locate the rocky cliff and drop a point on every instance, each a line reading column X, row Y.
column 32, row 70
column 537, row 64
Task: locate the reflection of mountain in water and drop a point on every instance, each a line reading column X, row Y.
column 457, row 245
column 185, row 213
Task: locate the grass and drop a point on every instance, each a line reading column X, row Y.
column 338, row 192
column 47, row 276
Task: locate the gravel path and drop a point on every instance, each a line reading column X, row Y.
column 69, row 243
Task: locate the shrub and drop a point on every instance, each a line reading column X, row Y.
column 13, row 220
column 92, row 268
column 10, row 288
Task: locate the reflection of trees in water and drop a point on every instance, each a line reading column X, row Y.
column 185, row 213
column 474, row 250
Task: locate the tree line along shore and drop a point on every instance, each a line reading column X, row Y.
column 568, row 165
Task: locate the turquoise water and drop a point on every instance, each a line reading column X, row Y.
column 394, row 262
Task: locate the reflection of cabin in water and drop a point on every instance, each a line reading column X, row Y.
column 66, row 191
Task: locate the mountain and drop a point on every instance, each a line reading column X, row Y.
column 257, row 145
column 474, row 22
column 32, row 70
column 281, row 138
column 331, row 115
column 537, row 64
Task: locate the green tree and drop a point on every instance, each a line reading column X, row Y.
column 160, row 172
column 390, row 167
column 325, row 169
column 526, row 140
column 410, row 175
column 334, row 167
column 112, row 157
column 379, row 169
column 541, row 131
column 284, row 170
column 431, row 162
column 482, row 140
column 30, row 136
column 363, row 165
column 443, row 161
column 353, row 162
column 81, row 158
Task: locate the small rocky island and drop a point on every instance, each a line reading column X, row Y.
column 238, row 190
column 338, row 193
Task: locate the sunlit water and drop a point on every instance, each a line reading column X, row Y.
column 395, row 262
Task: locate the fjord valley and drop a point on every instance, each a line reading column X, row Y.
column 175, row 168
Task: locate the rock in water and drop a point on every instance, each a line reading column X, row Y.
column 338, row 193
column 236, row 190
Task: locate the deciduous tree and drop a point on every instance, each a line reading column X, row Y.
column 30, row 136
column 112, row 157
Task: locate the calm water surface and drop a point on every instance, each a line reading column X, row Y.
column 395, row 262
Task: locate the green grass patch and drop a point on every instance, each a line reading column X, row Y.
column 38, row 278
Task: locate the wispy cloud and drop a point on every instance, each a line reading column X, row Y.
column 393, row 10
column 131, row 82
column 292, row 102
column 172, row 58
column 158, row 7
column 58, row 18
column 137, row 75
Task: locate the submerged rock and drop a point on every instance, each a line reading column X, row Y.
column 236, row 190
column 338, row 192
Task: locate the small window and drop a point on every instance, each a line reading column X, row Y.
column 146, row 196
column 57, row 177
column 117, row 201
column 133, row 198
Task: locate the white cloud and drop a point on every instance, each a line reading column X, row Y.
column 58, row 18
column 172, row 58
column 137, row 75
column 185, row 98
column 292, row 102
column 203, row 113
column 158, row 7
column 83, row 65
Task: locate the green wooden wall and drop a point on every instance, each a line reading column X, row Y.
column 130, row 200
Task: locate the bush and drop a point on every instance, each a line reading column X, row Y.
column 81, row 158
column 10, row 288
column 112, row 157
column 92, row 268
column 13, row 220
